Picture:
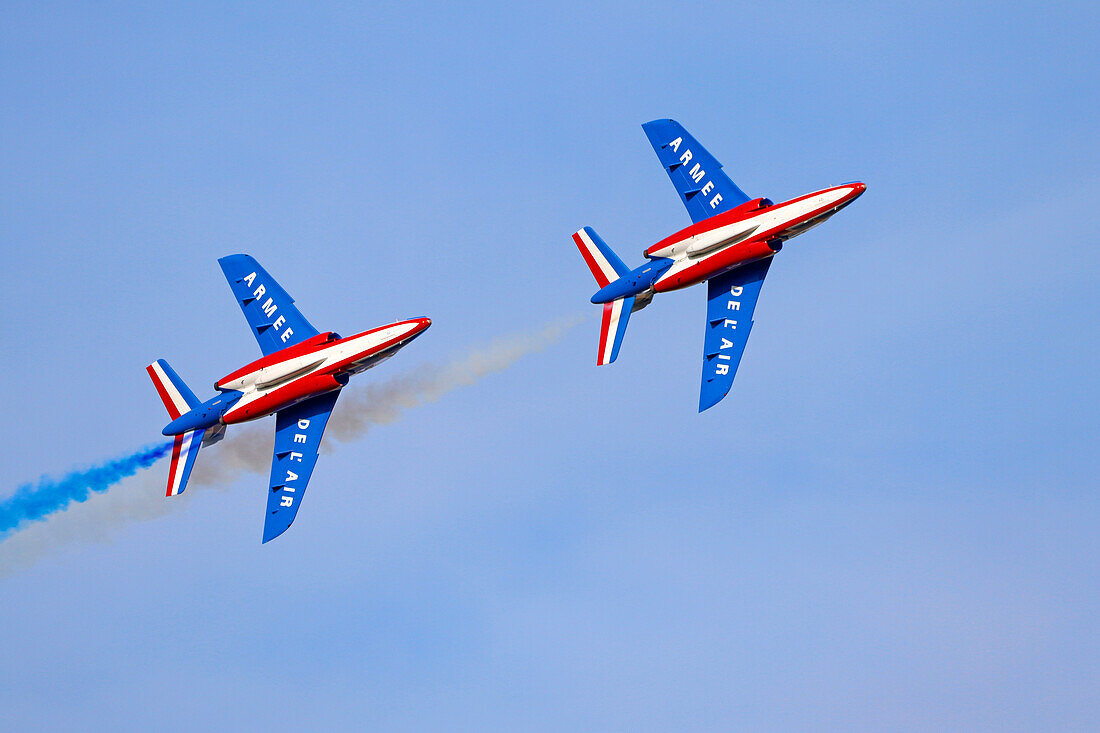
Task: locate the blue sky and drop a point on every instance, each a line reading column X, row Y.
column 889, row 523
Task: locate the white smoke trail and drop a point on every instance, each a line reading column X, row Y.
column 141, row 497
column 384, row 402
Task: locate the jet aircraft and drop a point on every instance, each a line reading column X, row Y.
column 730, row 245
column 298, row 378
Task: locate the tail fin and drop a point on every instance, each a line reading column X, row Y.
column 177, row 399
column 175, row 395
column 605, row 265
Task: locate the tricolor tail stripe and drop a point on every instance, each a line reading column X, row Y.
column 616, row 314
column 175, row 395
column 185, row 449
column 605, row 265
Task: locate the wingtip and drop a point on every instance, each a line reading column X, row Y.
column 707, row 402
column 271, row 533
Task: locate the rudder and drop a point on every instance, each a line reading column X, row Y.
column 605, row 265
column 176, row 396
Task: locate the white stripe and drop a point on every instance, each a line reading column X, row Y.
column 176, row 472
column 612, row 331
column 166, row 383
column 185, row 453
column 605, row 266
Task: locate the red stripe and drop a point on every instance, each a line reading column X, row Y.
column 314, row 343
column 605, row 330
column 320, row 342
column 748, row 210
column 723, row 260
column 597, row 271
column 166, row 398
column 324, row 380
column 367, row 353
column 177, row 444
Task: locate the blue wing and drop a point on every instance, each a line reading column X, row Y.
column 269, row 310
column 731, row 300
column 696, row 174
column 298, row 431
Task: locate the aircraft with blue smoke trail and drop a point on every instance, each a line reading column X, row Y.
column 297, row 379
column 730, row 245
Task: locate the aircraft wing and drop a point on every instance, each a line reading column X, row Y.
column 298, row 431
column 269, row 310
column 696, row 174
column 731, row 300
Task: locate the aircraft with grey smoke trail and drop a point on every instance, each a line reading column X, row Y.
column 298, row 379
column 730, row 245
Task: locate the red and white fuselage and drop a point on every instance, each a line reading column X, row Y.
column 752, row 231
column 317, row 365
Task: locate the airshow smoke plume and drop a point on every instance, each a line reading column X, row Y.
column 78, row 508
column 35, row 501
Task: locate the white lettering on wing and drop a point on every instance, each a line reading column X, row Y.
column 269, row 306
column 291, row 476
column 722, row 365
column 696, row 173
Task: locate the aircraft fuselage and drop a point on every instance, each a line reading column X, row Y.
column 315, row 366
column 750, row 232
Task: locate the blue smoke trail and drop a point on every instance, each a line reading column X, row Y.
column 31, row 502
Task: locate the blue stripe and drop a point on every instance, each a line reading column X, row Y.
column 193, row 443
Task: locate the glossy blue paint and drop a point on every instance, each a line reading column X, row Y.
column 634, row 282
column 695, row 173
column 269, row 309
column 185, row 391
column 298, row 433
column 203, row 416
column 731, row 300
